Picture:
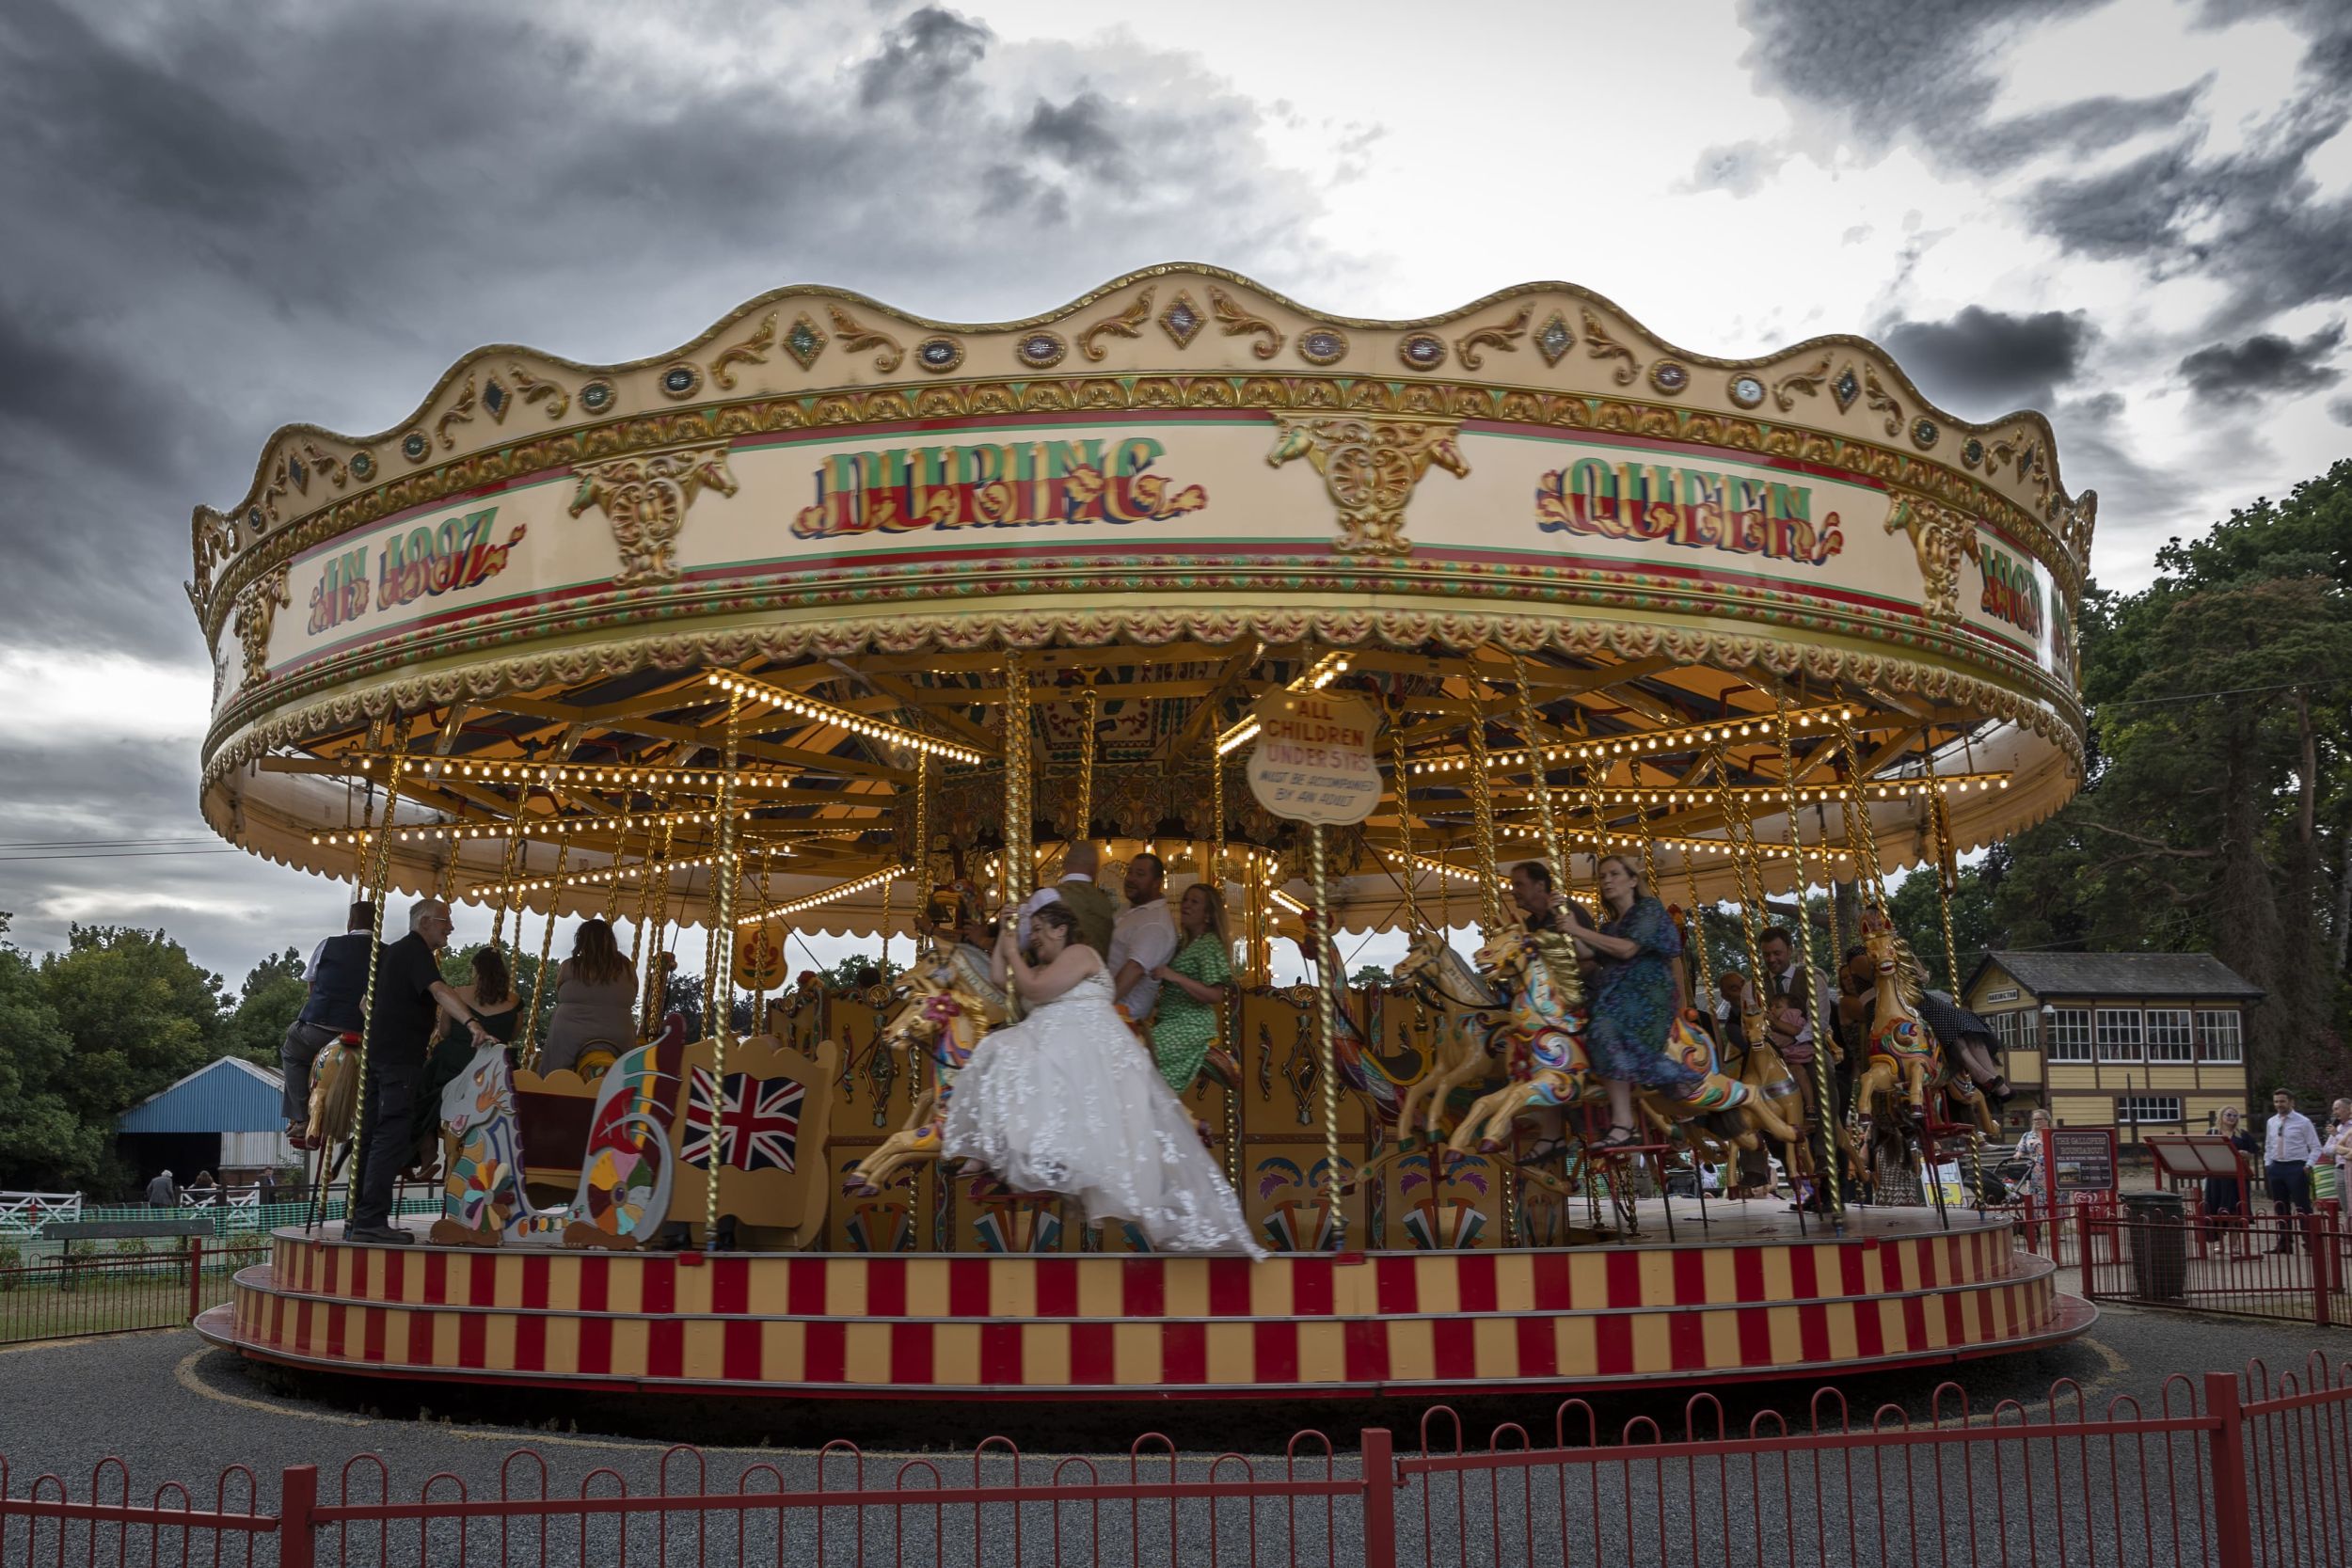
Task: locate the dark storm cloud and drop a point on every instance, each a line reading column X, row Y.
column 2264, row 364
column 1078, row 134
column 1981, row 364
column 2339, row 410
column 1895, row 69
column 224, row 218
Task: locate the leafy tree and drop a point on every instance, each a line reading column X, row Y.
column 45, row 1145
column 273, row 993
column 140, row 1013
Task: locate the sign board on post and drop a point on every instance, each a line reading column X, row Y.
column 1314, row 761
column 2084, row 1158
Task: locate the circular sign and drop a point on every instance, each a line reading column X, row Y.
column 1312, row 762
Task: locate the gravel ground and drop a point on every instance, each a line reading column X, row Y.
column 174, row 1409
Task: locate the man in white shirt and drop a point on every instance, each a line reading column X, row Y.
column 1090, row 904
column 1142, row 937
column 2290, row 1144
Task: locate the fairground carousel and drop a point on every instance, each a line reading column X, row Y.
column 842, row 621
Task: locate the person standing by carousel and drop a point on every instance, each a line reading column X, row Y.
column 1634, row 1002
column 1193, row 982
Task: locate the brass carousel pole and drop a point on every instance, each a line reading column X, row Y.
column 379, row 880
column 529, row 1051
column 1019, row 864
column 1326, row 1030
column 1823, row 1091
column 723, row 876
column 656, row 875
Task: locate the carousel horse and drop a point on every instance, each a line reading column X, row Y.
column 1381, row 1082
column 1543, row 1036
column 1468, row 1045
column 481, row 1196
column 1902, row 1049
column 625, row 1178
column 950, row 1004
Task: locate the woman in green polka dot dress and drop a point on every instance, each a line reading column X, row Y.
column 1192, row 984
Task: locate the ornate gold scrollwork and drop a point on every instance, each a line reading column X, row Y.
column 1942, row 538
column 1877, row 398
column 531, row 388
column 857, row 338
column 1370, row 465
column 645, row 498
column 750, row 351
column 1805, row 380
column 1600, row 345
column 1127, row 323
column 257, row 613
column 1237, row 322
column 328, row 464
column 1504, row 335
column 460, row 412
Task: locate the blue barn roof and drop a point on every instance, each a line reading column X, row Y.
column 230, row 1094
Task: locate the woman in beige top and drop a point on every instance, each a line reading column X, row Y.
column 595, row 1000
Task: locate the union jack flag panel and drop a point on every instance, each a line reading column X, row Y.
column 756, row 1121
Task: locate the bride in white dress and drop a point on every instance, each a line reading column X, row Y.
column 1068, row 1101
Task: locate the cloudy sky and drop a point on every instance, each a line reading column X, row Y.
column 2133, row 215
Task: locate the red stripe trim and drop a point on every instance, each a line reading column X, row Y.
column 596, row 1345
column 595, row 1282
column 1455, row 1342
column 910, row 1354
column 804, row 1288
column 1915, row 1322
column 473, row 1334
column 420, row 1338
column 537, row 1267
column 730, row 1284
column 1870, row 1339
column 740, row 1351
column 1142, row 1287
column 1623, row 1273
column 1000, row 1354
column 335, row 1329
column 1755, row 1337
column 1091, row 1354
column 1274, row 1351
column 1475, row 1278
column 1228, row 1288
column 1813, row 1331
column 967, row 1287
column 1747, row 1273
column 372, row 1343
column 1613, row 1346
column 1538, row 1346
column 825, row 1353
column 885, row 1288
column 665, row 1347
column 657, row 1285
column 531, row 1343
column 1313, row 1286
column 1185, row 1352
column 482, row 1287
column 436, row 1277
column 1056, row 1288
column 1803, row 1285
column 395, row 1274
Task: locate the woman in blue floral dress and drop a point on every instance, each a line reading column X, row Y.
column 1634, row 999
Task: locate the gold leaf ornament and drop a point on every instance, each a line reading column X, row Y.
column 1127, row 323
column 1370, row 468
column 1805, row 380
column 1237, row 322
column 645, row 497
column 750, row 351
column 1600, row 345
column 1503, row 336
column 857, row 338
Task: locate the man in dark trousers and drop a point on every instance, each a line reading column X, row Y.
column 409, row 990
column 338, row 978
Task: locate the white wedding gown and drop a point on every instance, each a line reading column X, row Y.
column 1067, row 1101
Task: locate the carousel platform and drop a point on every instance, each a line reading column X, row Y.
column 1753, row 1299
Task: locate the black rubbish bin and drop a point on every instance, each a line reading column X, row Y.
column 2159, row 1242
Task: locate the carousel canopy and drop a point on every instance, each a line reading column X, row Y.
column 1653, row 600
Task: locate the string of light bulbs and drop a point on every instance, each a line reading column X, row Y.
column 803, row 706
column 831, row 894
column 1688, row 737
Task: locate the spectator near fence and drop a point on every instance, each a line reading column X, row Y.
column 162, row 1192
column 2290, row 1144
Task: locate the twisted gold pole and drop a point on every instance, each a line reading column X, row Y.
column 1483, row 818
column 1822, row 1066
column 1538, row 769
column 721, row 982
column 529, row 1050
column 1861, row 833
column 1327, row 1029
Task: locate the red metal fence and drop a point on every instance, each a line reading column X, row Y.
column 2231, row 1472
column 83, row 1287
column 2294, row 1268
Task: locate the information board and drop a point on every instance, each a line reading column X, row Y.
column 2084, row 1157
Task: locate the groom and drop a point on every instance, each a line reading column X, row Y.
column 1076, row 890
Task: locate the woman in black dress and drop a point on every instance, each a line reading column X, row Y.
column 491, row 996
column 2225, row 1196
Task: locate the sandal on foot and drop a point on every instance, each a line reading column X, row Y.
column 1618, row 1136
